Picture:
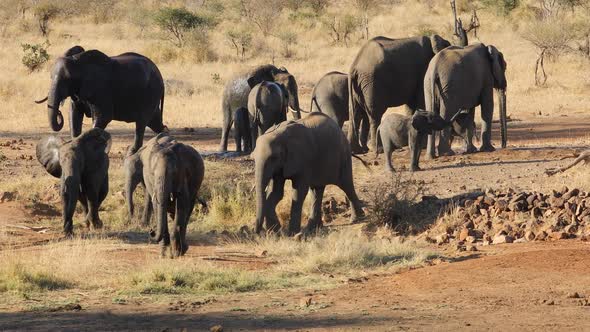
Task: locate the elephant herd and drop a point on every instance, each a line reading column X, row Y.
column 440, row 85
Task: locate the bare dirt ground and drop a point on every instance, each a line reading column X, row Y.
column 527, row 286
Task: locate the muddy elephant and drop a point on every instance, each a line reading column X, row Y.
column 399, row 130
column 237, row 89
column 330, row 96
column 82, row 165
column 267, row 106
column 172, row 174
column 126, row 87
column 242, row 130
column 463, row 78
column 387, row 73
column 312, row 152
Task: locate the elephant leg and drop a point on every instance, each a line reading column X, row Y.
column 176, row 243
column 444, row 143
column 225, row 129
column 487, row 113
column 430, row 146
column 238, row 138
column 84, row 201
column 138, row 140
column 347, row 185
column 387, row 151
column 374, row 123
column 315, row 219
column 273, row 198
column 469, row 147
column 254, row 134
column 156, row 123
column 300, row 189
column 363, row 123
column 76, row 120
column 93, row 205
column 147, row 210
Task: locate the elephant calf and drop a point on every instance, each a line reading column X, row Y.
column 82, row 165
column 312, row 153
column 242, row 130
column 172, row 174
column 397, row 131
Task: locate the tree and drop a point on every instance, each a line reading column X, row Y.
column 177, row 22
column 461, row 32
column 45, row 12
column 262, row 13
column 240, row 39
column 340, row 27
column 365, row 7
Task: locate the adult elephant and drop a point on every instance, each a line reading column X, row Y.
column 330, row 96
column 312, row 153
column 267, row 106
column 127, row 87
column 463, row 78
column 236, row 91
column 387, row 73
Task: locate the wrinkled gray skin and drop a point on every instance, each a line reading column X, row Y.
column 236, row 91
column 172, row 174
column 387, row 73
column 82, row 166
column 330, row 96
column 312, row 153
column 398, row 130
column 242, row 130
column 267, row 105
column 463, row 78
column 127, row 87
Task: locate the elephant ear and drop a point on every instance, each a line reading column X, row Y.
column 438, row 43
column 498, row 67
column 294, row 149
column 47, row 152
column 260, row 74
column 74, row 50
column 421, row 122
column 93, row 57
column 284, row 90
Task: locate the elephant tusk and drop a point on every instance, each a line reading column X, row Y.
column 41, row 101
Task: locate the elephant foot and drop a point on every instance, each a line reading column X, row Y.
column 390, row 169
column 358, row 150
column 97, row 224
column 446, row 153
column 470, row 149
column 430, row 156
column 487, row 148
column 415, row 168
column 312, row 227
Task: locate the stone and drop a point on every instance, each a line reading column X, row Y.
column 500, row 238
column 531, row 199
column 465, row 232
column 557, row 202
column 501, row 204
column 529, row 236
column 489, row 201
column 471, row 248
column 573, row 295
column 536, row 212
column 442, row 239
column 7, row 196
column 563, row 190
column 570, row 229
column 305, row 302
column 470, row 239
column 467, row 203
column 558, row 235
column 540, row 236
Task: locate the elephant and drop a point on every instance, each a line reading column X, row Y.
column 463, row 78
column 82, row 165
column 172, row 174
column 387, row 73
column 242, row 130
column 127, row 87
column 236, row 91
column 312, row 152
column 330, row 96
column 267, row 106
column 399, row 130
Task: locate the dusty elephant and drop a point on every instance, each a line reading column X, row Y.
column 463, row 78
column 312, row 153
column 172, row 174
column 127, row 87
column 387, row 73
column 236, row 91
column 397, row 131
column 83, row 166
column 267, row 105
column 330, row 96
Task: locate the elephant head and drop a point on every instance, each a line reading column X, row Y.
column 70, row 160
column 428, row 122
column 74, row 50
column 79, row 76
column 500, row 83
column 281, row 76
column 438, row 43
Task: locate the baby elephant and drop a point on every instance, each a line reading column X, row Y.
column 82, row 164
column 397, row 131
column 242, row 130
column 172, row 174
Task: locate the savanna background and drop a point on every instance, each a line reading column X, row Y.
column 228, row 276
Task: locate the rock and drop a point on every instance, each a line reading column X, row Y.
column 558, row 235
column 529, row 236
column 557, row 202
column 570, row 229
column 563, row 190
column 464, row 234
column 7, row 196
column 531, row 199
column 517, row 206
column 573, row 295
column 262, row 253
column 519, row 198
column 467, row 203
column 501, row 205
column 541, row 236
column 459, row 247
column 470, row 239
column 501, row 238
column 442, row 239
column 489, row 201
column 305, row 302
column 536, row 212
column 216, row 328
column 471, row 248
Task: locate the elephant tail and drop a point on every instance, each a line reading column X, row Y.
column 362, row 161
column 435, row 100
column 378, row 138
column 353, row 108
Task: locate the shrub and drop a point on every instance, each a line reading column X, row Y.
column 45, row 12
column 340, row 27
column 178, row 22
column 502, row 7
column 34, row 56
column 240, row 39
column 288, row 40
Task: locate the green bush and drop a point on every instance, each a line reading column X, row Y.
column 503, row 7
column 45, row 12
column 179, row 22
column 35, row 55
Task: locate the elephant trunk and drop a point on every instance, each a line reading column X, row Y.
column 262, row 180
column 54, row 99
column 294, row 104
column 129, row 190
column 503, row 117
column 163, row 191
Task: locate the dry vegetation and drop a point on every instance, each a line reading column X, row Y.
column 309, row 42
